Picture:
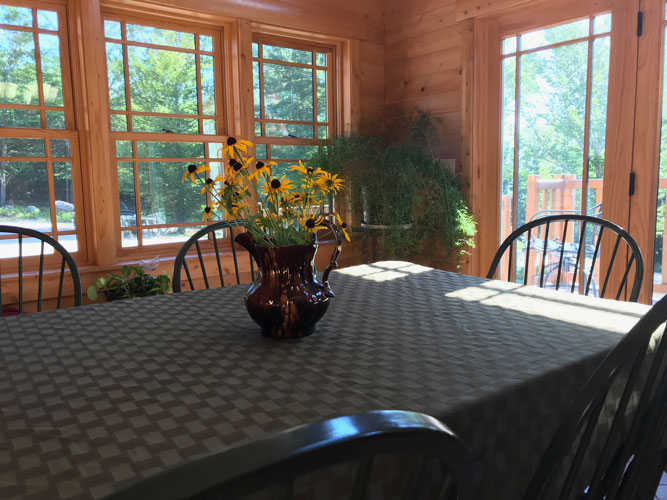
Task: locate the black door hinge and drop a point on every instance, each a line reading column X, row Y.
column 632, row 183
column 640, row 23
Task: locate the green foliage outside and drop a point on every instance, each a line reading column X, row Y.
column 396, row 182
column 132, row 282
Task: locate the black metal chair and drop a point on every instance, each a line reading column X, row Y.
column 625, row 403
column 21, row 234
column 281, row 458
column 555, row 259
column 209, row 234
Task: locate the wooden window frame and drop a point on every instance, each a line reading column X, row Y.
column 70, row 132
column 220, row 48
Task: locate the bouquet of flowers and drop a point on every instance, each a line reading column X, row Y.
column 289, row 212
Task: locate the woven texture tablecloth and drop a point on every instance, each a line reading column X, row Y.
column 93, row 398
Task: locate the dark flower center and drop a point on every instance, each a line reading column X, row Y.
column 275, row 184
column 209, row 181
column 310, row 223
column 259, row 164
column 227, row 183
column 207, row 210
column 343, row 225
column 237, row 166
column 192, row 168
column 231, row 141
column 310, row 170
column 297, row 196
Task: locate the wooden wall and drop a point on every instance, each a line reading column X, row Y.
column 423, row 66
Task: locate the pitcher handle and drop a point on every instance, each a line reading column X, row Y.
column 334, row 256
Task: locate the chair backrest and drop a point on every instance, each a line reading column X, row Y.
column 208, row 235
column 564, row 251
column 610, row 443
column 22, row 234
column 356, row 439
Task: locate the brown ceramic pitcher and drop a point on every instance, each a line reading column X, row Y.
column 286, row 300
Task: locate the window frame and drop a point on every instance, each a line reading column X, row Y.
column 223, row 108
column 71, row 131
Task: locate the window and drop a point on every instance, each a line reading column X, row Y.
column 293, row 98
column 166, row 111
column 39, row 164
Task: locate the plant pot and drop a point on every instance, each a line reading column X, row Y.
column 287, row 300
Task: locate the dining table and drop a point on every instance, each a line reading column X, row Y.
column 94, row 398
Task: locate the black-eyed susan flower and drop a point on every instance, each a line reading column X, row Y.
column 209, row 184
column 306, row 170
column 329, row 183
column 313, row 223
column 261, row 168
column 343, row 226
column 233, row 210
column 208, row 213
column 234, row 146
column 192, row 172
column 278, row 186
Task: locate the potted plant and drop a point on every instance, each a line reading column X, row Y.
column 405, row 201
column 132, row 282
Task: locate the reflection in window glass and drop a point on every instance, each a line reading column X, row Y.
column 206, row 43
column 556, row 34
column 288, row 92
column 157, row 36
column 47, row 20
column 49, row 48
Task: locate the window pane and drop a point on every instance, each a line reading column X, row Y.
column 118, row 123
column 562, row 33
column 288, row 92
column 152, row 149
column 55, row 119
column 507, row 152
column 206, row 43
column 24, row 118
column 255, row 49
column 116, row 75
column 207, row 85
column 165, row 124
column 258, row 129
column 128, row 213
column 21, row 147
column 17, row 60
column 509, row 45
column 69, row 241
column 290, row 151
column 321, row 59
column 161, row 236
column 321, row 95
column 290, row 130
column 16, row 16
column 124, row 149
column 47, row 20
column 260, row 151
column 286, row 54
column 164, row 199
column 9, row 248
column 602, row 24
column 49, row 49
column 129, row 239
column 24, row 197
column 157, row 36
column 322, row 132
column 60, row 148
column 162, row 81
column 210, row 127
column 256, row 89
column 64, row 194
column 112, row 29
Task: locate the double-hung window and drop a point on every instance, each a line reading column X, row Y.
column 165, row 93
column 40, row 181
column 294, row 101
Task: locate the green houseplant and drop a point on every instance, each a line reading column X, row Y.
column 132, row 282
column 407, row 203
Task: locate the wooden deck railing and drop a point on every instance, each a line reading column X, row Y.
column 558, row 195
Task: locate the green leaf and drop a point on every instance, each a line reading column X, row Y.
column 126, row 271
column 92, row 292
column 101, row 282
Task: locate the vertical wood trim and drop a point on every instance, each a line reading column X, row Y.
column 100, row 199
column 471, row 264
column 351, row 102
column 646, row 151
column 241, row 80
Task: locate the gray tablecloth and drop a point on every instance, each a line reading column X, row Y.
column 95, row 397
